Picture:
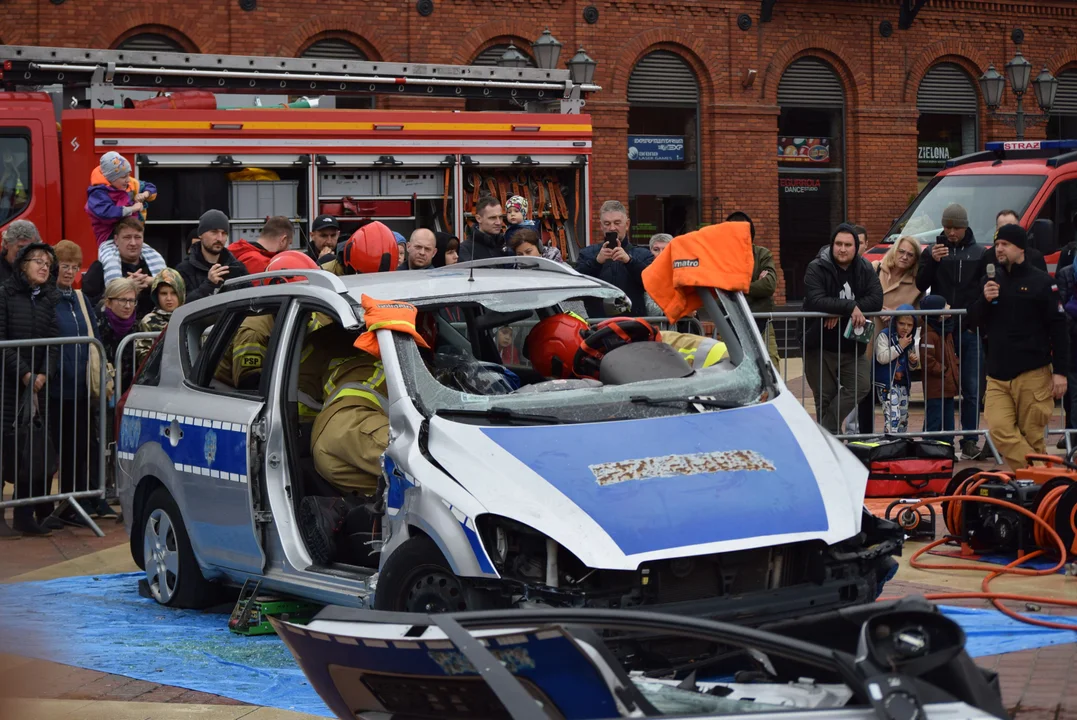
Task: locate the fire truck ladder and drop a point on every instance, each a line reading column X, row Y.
column 101, row 72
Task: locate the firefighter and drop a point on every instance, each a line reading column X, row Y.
column 565, row 346
column 351, row 432
column 241, row 364
column 370, row 249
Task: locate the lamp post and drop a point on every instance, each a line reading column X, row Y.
column 512, row 58
column 546, row 50
column 581, row 68
column 1018, row 72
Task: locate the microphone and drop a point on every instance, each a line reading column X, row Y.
column 991, row 277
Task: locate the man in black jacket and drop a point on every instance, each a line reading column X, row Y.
column 1021, row 311
column 953, row 267
column 129, row 239
column 487, row 239
column 18, row 235
column 838, row 369
column 621, row 264
column 209, row 263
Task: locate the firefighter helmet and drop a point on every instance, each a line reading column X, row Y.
column 291, row 260
column 552, row 345
column 371, row 249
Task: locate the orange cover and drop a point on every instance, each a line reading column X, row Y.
column 717, row 256
column 394, row 315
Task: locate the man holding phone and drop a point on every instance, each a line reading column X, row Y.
column 209, row 263
column 953, row 268
column 615, row 260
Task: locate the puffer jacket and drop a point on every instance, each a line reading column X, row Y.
column 105, row 204
column 942, row 369
column 834, row 291
column 892, row 362
column 26, row 314
column 253, row 256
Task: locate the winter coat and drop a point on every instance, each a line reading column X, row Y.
column 105, row 204
column 195, row 272
column 513, row 229
column 93, row 283
column 761, row 291
column 6, row 270
column 26, row 314
column 157, row 320
column 942, row 369
column 898, row 289
column 831, row 290
column 253, row 256
column 892, row 362
column 111, row 340
column 74, row 359
column 1066, row 279
column 957, row 276
column 481, row 246
column 626, row 276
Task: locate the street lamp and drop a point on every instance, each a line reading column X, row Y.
column 581, row 68
column 1018, row 72
column 513, row 58
column 546, row 50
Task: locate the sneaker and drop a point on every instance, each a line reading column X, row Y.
column 6, row 533
column 320, row 520
column 28, row 526
column 970, row 450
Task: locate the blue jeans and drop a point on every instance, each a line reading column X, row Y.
column 970, row 351
column 939, row 415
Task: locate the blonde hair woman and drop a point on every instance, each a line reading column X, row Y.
column 897, row 273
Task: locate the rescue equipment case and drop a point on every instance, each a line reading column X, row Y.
column 906, row 468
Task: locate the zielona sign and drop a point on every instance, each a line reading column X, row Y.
column 934, row 154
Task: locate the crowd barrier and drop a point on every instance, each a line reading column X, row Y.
column 127, row 357
column 52, row 445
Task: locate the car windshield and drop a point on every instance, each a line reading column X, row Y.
column 466, row 376
column 981, row 195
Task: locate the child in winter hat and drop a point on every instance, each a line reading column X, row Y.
column 113, row 195
column 516, row 208
column 168, row 292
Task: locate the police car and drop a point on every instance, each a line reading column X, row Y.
column 711, row 493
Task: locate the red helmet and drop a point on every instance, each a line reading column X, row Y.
column 291, row 260
column 609, row 335
column 371, row 249
column 553, row 343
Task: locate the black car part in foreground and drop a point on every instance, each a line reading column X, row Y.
column 893, row 660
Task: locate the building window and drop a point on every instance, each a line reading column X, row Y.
column 811, row 165
column 150, row 42
column 337, row 49
column 663, row 146
column 1062, row 125
column 949, row 105
column 489, row 58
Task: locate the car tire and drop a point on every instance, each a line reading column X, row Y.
column 417, row 578
column 172, row 571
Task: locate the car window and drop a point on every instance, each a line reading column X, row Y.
column 231, row 350
column 151, row 369
column 15, row 187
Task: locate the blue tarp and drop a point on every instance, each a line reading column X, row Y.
column 101, row 623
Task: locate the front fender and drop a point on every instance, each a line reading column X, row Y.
column 453, row 531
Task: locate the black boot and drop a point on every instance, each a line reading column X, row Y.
column 320, row 520
column 43, row 515
column 26, row 524
column 101, row 508
column 6, row 533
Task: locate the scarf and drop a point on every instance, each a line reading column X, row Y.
column 119, row 326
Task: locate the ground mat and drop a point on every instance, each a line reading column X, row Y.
column 1033, row 564
column 100, row 623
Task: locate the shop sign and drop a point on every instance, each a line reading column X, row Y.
column 935, row 154
column 804, row 150
column 799, row 186
column 666, row 148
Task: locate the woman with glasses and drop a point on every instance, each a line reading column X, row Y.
column 117, row 320
column 27, row 312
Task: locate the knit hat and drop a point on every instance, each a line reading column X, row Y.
column 114, row 166
column 845, row 228
column 400, row 239
column 932, row 302
column 955, row 216
column 1013, row 234
column 174, row 280
column 518, row 203
column 212, row 220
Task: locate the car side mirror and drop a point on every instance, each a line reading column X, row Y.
column 1043, row 236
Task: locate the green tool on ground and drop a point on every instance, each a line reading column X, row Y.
column 252, row 611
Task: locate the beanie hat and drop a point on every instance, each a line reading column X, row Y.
column 1013, row 234
column 68, row 252
column 932, row 302
column 212, row 220
column 845, row 228
column 518, row 203
column 400, row 239
column 114, row 166
column 955, row 216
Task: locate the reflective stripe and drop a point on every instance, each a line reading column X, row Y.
column 308, row 406
column 715, row 355
column 390, row 323
column 362, row 390
column 374, row 380
column 715, row 351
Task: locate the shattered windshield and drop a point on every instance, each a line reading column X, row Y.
column 479, row 366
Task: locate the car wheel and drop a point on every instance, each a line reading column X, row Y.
column 417, row 578
column 172, row 572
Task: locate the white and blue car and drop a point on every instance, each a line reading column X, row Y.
column 714, row 495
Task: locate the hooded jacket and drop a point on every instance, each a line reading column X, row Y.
column 253, row 256
column 26, row 314
column 892, row 362
column 442, row 239
column 195, row 272
column 835, row 291
column 957, row 276
column 157, row 320
column 481, row 246
column 105, row 204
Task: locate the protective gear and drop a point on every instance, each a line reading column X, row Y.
column 321, row 346
column 392, row 315
column 609, row 335
column 241, row 364
column 371, row 249
column 698, row 351
column 290, row 260
column 552, row 345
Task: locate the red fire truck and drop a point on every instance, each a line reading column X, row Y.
column 63, row 109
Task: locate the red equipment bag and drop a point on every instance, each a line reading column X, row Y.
column 906, row 468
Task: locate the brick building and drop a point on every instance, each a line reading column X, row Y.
column 696, row 92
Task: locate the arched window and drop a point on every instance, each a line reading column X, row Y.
column 663, row 146
column 949, row 104
column 338, row 49
column 150, row 42
column 489, row 58
column 1063, row 122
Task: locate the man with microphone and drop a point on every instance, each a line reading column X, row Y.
column 1020, row 310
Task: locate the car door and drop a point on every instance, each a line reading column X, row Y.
column 218, row 433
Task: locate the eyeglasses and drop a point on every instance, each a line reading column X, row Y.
column 66, row 267
column 126, row 302
column 43, row 262
column 906, row 253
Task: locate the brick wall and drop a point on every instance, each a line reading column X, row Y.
column 738, row 123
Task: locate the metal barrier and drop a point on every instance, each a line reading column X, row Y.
column 51, row 436
column 128, row 348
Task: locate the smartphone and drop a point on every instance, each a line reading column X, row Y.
column 940, row 240
column 611, row 239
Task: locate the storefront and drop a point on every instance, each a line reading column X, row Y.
column 1063, row 122
column 948, row 102
column 663, row 146
column 811, row 160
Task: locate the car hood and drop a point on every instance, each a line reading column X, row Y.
column 620, row 493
